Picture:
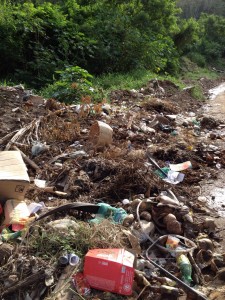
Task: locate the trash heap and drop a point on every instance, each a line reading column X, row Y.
column 103, row 201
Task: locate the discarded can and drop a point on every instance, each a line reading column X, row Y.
column 63, row 260
column 72, row 259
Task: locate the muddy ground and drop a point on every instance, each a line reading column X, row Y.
column 159, row 118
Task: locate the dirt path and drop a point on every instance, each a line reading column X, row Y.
column 214, row 190
column 217, row 110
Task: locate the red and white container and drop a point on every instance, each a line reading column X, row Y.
column 110, row 270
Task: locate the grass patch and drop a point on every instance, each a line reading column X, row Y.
column 201, row 73
column 6, row 82
column 197, row 93
column 132, row 80
column 49, row 244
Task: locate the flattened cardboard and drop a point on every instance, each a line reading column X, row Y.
column 14, row 179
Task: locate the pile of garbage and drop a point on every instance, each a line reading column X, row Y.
column 103, row 201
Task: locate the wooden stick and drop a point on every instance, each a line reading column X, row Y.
column 27, row 159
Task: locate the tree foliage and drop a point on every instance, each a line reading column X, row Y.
column 212, row 39
column 39, row 37
column 194, row 8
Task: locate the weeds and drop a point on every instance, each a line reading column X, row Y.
column 196, row 92
column 46, row 243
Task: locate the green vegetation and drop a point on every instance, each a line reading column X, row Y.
column 102, row 85
column 73, row 83
column 196, row 92
column 121, row 43
column 48, row 245
column 132, row 80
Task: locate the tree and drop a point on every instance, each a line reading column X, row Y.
column 194, row 8
column 212, row 43
column 100, row 36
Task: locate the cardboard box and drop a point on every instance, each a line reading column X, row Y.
column 110, row 270
column 14, row 179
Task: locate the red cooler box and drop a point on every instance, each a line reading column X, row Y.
column 110, row 270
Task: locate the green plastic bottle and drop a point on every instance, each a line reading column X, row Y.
column 185, row 268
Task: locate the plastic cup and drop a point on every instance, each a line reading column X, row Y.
column 101, row 133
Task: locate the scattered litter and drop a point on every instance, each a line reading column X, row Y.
column 79, row 218
column 180, row 167
column 174, row 177
column 81, row 284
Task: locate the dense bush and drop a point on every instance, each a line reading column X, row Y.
column 73, row 84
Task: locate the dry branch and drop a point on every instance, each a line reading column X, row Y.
column 7, row 137
column 34, row 278
column 27, row 159
column 19, row 135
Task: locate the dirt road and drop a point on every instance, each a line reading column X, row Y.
column 214, row 190
column 216, row 106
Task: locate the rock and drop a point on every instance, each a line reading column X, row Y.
column 172, row 225
column 209, row 224
column 145, row 215
column 206, row 244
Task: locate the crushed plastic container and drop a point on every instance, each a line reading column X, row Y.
column 16, row 214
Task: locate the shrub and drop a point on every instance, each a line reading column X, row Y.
column 73, row 84
column 197, row 58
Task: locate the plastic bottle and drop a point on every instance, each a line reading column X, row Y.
column 185, row 268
